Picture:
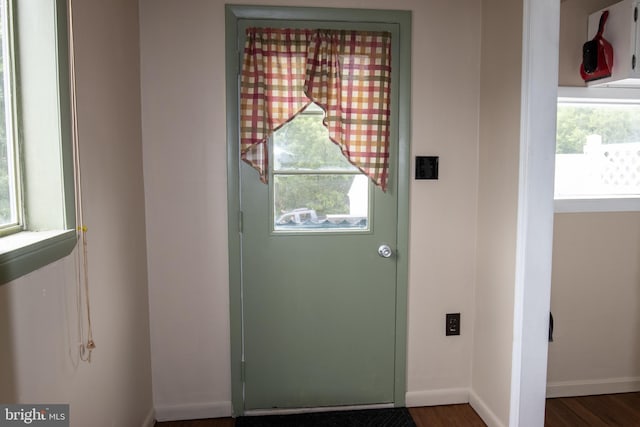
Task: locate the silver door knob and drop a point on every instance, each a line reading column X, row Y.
column 385, row 251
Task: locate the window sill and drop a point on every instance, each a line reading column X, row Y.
column 24, row 252
column 609, row 204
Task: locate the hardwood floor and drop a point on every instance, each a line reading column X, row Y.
column 594, row 411
column 212, row 422
column 445, row 416
column 432, row 416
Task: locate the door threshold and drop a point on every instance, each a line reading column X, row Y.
column 291, row 411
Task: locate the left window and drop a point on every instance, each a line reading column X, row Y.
column 37, row 205
column 10, row 221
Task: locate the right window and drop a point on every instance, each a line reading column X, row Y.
column 597, row 149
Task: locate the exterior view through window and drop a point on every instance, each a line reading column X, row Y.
column 315, row 188
column 597, row 150
column 8, row 193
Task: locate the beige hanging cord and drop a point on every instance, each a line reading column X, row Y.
column 82, row 263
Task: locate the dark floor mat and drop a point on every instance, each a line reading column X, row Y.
column 393, row 417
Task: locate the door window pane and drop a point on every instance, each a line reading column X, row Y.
column 304, row 144
column 317, row 202
column 315, row 188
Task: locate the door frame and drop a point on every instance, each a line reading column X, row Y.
column 534, row 241
column 233, row 13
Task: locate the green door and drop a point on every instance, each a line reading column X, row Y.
column 319, row 303
column 318, row 289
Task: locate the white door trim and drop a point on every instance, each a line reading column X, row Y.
column 541, row 21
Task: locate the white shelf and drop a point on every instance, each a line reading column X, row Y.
column 621, row 30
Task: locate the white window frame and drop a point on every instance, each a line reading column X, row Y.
column 8, row 82
column 43, row 110
column 598, row 204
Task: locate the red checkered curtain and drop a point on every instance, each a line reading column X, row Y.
column 347, row 73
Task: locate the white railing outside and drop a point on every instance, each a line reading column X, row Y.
column 602, row 170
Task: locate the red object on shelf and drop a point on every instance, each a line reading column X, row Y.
column 597, row 55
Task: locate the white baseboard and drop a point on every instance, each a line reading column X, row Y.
column 193, row 411
column 150, row 419
column 487, row 415
column 445, row 396
column 592, row 387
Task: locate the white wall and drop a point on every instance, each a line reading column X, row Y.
column 183, row 110
column 497, row 208
column 37, row 312
column 596, row 304
column 595, row 293
column 442, row 216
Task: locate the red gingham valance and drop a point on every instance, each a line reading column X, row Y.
column 347, row 73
